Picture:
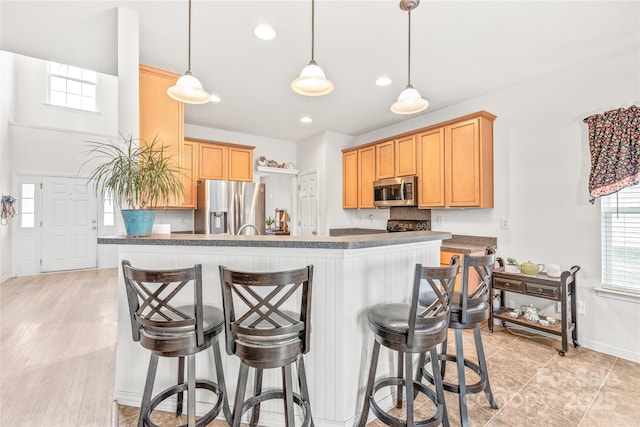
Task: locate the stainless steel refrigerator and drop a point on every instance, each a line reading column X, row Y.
column 229, row 207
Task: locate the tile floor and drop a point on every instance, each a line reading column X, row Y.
column 533, row 386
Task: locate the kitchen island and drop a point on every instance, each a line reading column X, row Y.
column 351, row 274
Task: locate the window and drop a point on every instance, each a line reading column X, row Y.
column 109, row 214
column 72, row 87
column 28, row 205
column 621, row 240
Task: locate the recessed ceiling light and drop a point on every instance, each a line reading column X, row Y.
column 306, row 119
column 215, row 98
column 383, row 81
column 264, row 32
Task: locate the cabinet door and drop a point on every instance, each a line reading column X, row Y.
column 405, row 156
column 189, row 170
column 160, row 116
column 240, row 164
column 366, row 176
column 350, row 179
column 462, row 156
column 431, row 168
column 385, row 160
column 213, row 161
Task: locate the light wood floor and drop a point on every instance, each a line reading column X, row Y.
column 57, row 349
column 57, row 366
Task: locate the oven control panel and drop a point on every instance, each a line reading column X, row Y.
column 394, row 225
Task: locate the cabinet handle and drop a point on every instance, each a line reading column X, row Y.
column 506, row 285
column 539, row 290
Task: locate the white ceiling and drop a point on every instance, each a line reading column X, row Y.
column 460, row 50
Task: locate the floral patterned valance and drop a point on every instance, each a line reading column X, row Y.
column 614, row 142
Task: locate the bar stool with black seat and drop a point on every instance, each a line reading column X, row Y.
column 169, row 328
column 469, row 310
column 410, row 329
column 264, row 334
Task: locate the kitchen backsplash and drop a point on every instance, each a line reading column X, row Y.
column 409, row 213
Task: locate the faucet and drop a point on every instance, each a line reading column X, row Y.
column 241, row 229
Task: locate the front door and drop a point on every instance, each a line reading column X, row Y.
column 308, row 202
column 69, row 224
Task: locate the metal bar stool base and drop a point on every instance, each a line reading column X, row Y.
column 389, row 420
column 179, row 388
column 455, row 388
column 254, row 401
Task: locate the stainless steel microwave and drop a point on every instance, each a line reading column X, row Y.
column 395, row 192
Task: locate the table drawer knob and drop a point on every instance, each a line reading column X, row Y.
column 506, row 285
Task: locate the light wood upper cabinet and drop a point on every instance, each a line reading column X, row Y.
column 213, row 160
column 220, row 161
column 366, row 176
column 385, row 160
column 456, row 163
column 452, row 160
column 358, row 174
column 405, row 156
column 431, row 168
column 469, row 163
column 160, row 116
column 350, row 179
column 240, row 164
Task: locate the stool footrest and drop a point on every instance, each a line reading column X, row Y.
column 418, row 387
column 279, row 394
column 180, row 388
column 455, row 388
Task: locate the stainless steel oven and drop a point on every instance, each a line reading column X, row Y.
column 395, row 192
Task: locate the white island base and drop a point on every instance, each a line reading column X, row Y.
column 346, row 283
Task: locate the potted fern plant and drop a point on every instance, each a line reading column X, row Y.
column 137, row 176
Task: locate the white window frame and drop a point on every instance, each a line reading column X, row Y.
column 85, row 81
column 620, row 275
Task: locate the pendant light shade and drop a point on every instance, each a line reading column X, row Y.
column 188, row 88
column 312, row 80
column 410, row 101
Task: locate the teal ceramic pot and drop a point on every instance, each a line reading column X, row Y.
column 138, row 222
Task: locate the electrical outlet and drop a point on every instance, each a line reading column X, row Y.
column 581, row 307
column 505, row 223
column 439, row 220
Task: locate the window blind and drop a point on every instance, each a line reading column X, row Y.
column 621, row 240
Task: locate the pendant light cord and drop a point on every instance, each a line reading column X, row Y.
column 189, row 48
column 409, row 51
column 313, row 20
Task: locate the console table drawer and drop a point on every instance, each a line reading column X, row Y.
column 508, row 285
column 540, row 290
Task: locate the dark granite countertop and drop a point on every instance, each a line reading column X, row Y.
column 336, row 242
column 468, row 244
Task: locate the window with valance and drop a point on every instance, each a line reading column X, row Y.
column 614, row 144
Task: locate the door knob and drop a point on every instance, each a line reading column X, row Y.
column 314, row 232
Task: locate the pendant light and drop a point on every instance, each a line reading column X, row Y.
column 188, row 88
column 410, row 101
column 312, row 81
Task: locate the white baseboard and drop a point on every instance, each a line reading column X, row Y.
column 610, row 350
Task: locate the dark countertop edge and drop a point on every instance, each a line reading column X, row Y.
column 338, row 242
column 468, row 244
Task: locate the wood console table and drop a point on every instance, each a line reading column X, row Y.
column 561, row 289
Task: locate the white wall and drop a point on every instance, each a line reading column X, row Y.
column 42, row 140
column 6, row 182
column 541, row 167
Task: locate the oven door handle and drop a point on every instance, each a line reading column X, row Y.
column 402, row 188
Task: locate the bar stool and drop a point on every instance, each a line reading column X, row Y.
column 171, row 330
column 409, row 329
column 263, row 334
column 469, row 309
